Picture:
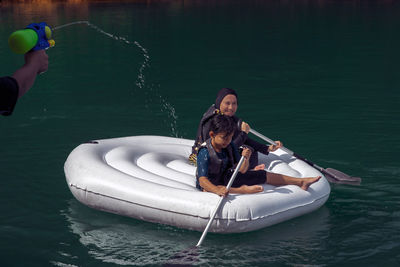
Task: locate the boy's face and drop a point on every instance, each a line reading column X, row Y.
column 221, row 140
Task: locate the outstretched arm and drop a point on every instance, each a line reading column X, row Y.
column 36, row 62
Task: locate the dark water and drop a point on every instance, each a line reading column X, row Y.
column 322, row 76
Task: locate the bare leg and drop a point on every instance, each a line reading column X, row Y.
column 280, row 179
column 246, row 189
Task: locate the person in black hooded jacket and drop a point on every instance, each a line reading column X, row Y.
column 226, row 103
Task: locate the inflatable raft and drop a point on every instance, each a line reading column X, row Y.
column 149, row 178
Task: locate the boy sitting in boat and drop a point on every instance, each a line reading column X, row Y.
column 218, row 157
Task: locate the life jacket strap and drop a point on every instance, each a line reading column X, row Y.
column 193, row 159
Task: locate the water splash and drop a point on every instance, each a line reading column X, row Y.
column 115, row 37
column 140, row 78
column 166, row 106
column 149, row 89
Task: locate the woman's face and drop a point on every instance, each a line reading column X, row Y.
column 228, row 105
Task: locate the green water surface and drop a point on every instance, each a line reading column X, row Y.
column 321, row 76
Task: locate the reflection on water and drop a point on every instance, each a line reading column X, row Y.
column 115, row 239
column 125, row 241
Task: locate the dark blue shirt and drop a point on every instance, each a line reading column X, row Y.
column 203, row 159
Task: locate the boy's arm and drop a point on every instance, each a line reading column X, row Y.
column 210, row 187
column 245, row 166
column 246, row 153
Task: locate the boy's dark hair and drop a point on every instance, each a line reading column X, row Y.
column 222, row 124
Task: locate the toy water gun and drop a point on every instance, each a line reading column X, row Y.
column 35, row 36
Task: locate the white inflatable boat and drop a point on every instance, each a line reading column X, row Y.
column 149, row 178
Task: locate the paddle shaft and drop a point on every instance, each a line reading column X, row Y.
column 220, row 202
column 290, row 152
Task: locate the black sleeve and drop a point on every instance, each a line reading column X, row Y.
column 240, row 138
column 8, row 95
column 257, row 146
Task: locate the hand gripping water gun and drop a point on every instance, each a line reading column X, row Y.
column 35, row 36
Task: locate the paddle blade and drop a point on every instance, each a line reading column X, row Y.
column 336, row 176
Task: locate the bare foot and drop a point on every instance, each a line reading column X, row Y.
column 306, row 182
column 259, row 167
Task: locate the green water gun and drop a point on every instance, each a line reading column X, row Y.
column 35, row 36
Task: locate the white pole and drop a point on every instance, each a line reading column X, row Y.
column 219, row 202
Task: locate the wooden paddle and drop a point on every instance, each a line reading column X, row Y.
column 332, row 175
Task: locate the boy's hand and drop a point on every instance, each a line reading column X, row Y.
column 272, row 148
column 246, row 153
column 221, row 191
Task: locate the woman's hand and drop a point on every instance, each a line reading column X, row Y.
column 245, row 127
column 272, row 148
